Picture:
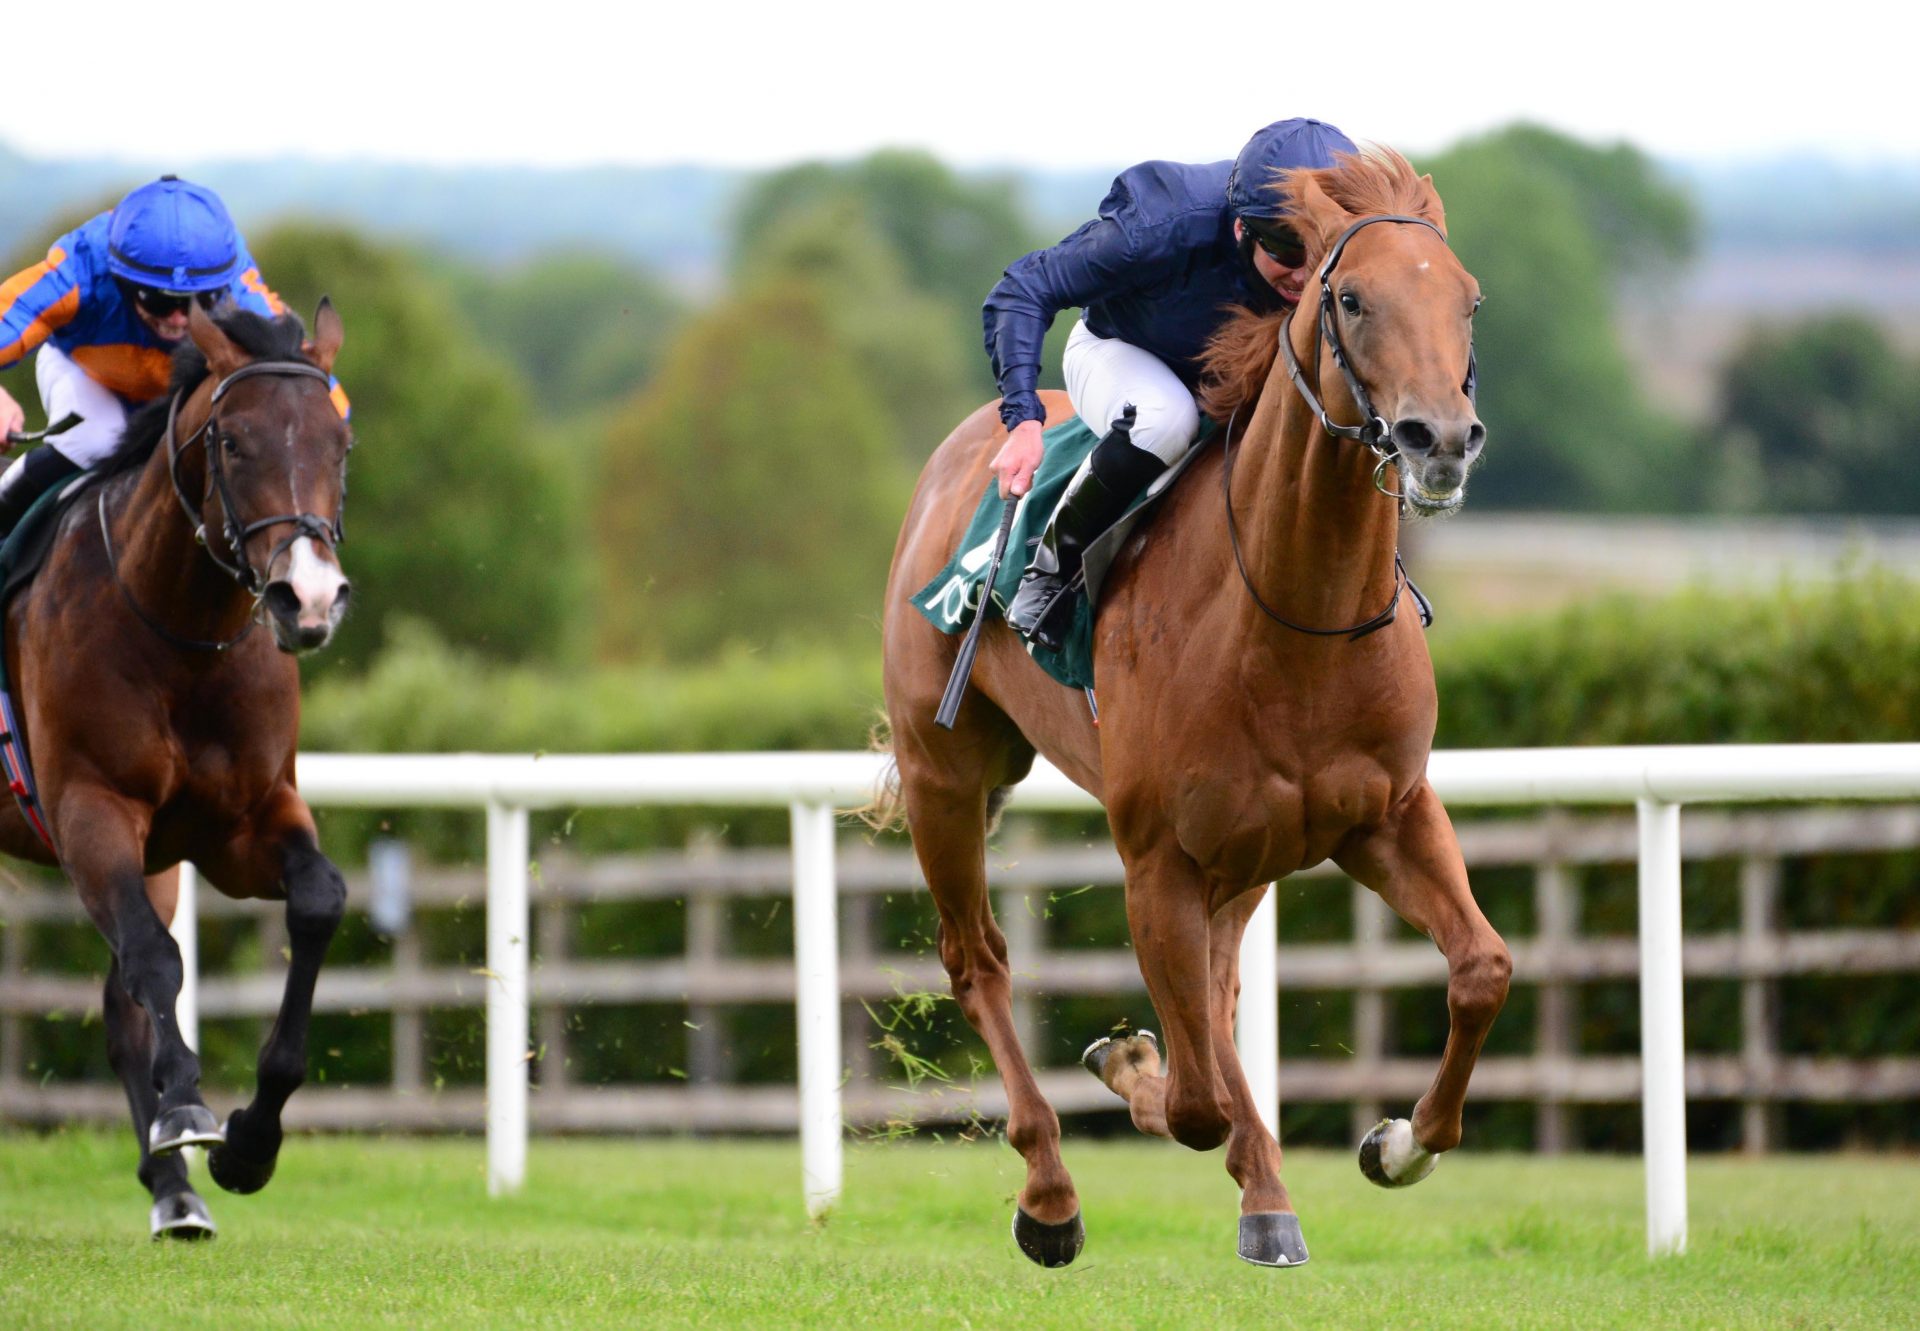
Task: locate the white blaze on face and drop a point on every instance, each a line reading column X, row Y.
column 315, row 581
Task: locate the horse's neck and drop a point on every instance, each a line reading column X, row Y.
column 1317, row 537
column 160, row 561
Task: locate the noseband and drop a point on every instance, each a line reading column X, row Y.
column 1374, row 430
column 327, row 532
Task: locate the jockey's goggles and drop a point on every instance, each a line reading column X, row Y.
column 162, row 304
column 1281, row 245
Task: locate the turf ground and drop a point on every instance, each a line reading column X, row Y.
column 394, row 1232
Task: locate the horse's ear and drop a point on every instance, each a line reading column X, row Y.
column 1430, row 206
column 1319, row 218
column 328, row 334
column 223, row 355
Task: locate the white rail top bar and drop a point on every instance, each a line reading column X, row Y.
column 1678, row 774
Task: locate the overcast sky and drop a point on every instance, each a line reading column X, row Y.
column 980, row 82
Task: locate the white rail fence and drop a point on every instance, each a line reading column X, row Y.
column 1657, row 781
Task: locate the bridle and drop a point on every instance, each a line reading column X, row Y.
column 328, row 532
column 1374, row 431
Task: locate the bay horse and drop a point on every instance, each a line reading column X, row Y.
column 162, row 725
column 1234, row 746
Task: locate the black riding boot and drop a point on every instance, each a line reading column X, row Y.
column 1117, row 472
column 40, row 471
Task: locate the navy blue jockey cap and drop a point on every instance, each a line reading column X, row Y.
column 173, row 235
column 1285, row 145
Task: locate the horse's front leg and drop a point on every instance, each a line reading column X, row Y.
column 1413, row 861
column 282, row 849
column 1269, row 1229
column 1167, row 916
column 104, row 834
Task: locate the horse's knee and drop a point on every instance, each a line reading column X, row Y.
column 1477, row 984
column 316, row 901
column 1200, row 1122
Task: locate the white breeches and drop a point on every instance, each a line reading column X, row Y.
column 65, row 387
column 1105, row 374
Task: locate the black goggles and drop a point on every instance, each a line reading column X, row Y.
column 161, row 304
column 1281, row 245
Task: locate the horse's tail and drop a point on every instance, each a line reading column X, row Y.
column 887, row 810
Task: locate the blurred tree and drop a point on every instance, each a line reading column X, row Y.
column 1820, row 418
column 752, row 493
column 953, row 235
column 459, row 513
column 585, row 329
column 1551, row 227
column 920, row 364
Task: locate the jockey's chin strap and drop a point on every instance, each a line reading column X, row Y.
column 328, row 532
column 1374, row 430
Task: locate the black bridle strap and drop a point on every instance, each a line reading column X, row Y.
column 1351, row 632
column 190, row 644
column 305, row 524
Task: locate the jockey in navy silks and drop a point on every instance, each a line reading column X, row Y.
column 1175, row 250
column 105, row 310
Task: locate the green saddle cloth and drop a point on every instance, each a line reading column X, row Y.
column 952, row 599
column 25, row 548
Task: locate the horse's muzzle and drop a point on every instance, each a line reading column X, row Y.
column 305, row 624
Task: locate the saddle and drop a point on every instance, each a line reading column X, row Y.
column 955, row 594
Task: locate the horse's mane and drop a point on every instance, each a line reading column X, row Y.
column 260, row 337
column 1238, row 359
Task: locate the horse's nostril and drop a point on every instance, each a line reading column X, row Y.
column 1476, row 438
column 281, row 600
column 1413, row 436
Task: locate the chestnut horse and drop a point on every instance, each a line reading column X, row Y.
column 1233, row 748
column 162, row 725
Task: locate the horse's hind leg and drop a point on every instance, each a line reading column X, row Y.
column 947, row 809
column 178, row 1212
column 316, row 899
column 1413, row 862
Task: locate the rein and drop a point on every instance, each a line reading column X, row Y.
column 1374, row 431
column 233, row 531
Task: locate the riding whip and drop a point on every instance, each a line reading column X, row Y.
column 970, row 645
column 61, row 426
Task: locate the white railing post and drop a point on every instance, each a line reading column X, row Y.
column 186, row 932
column 816, row 965
column 1663, row 1090
column 1257, row 1033
column 507, row 924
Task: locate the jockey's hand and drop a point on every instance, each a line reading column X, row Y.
column 11, row 417
column 1018, row 459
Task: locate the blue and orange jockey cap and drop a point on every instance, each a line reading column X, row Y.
column 173, row 235
column 1285, row 145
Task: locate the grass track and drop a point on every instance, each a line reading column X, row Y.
column 367, row 1232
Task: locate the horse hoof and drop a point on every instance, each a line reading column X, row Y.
column 184, row 1125
column 1272, row 1238
column 1097, row 1055
column 1049, row 1245
column 1391, row 1157
column 235, row 1172
column 182, row 1216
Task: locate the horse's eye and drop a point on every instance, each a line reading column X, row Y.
column 230, row 444
column 1349, row 302
column 1478, row 301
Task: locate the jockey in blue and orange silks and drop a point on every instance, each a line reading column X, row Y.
column 106, row 310
column 1174, row 251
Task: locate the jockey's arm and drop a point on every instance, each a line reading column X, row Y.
column 33, row 303
column 1100, row 259
column 251, row 292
